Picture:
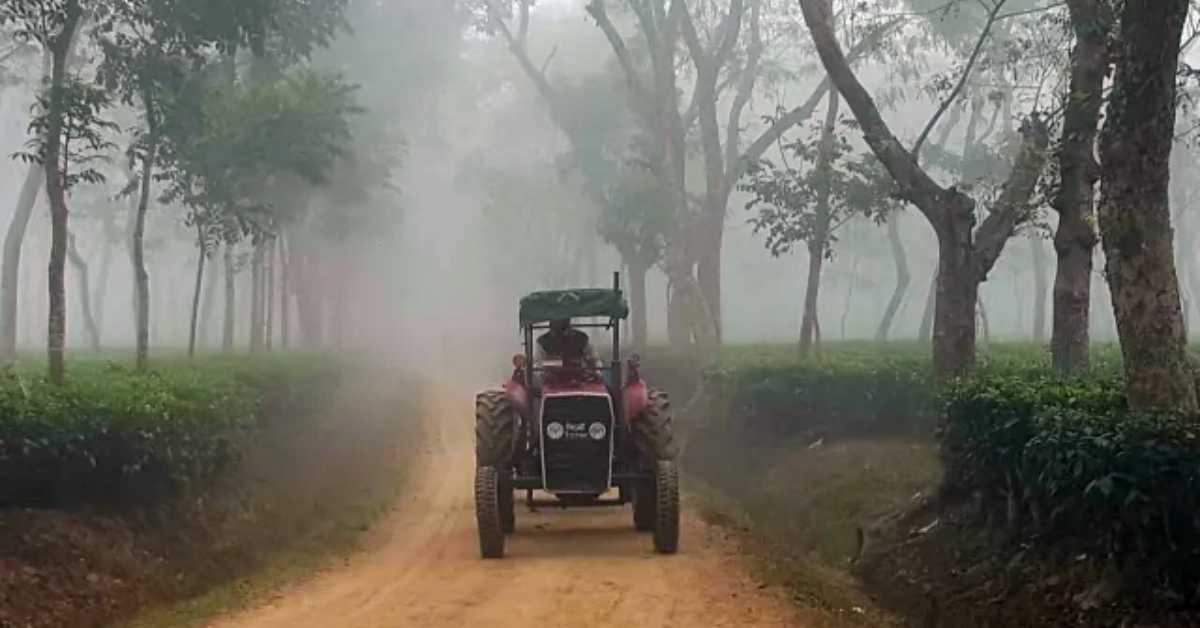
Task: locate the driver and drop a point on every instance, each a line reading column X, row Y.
column 565, row 343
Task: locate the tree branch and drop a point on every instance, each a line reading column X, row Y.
column 805, row 110
column 745, row 86
column 914, row 183
column 1012, row 208
column 962, row 80
column 595, row 8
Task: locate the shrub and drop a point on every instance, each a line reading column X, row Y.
column 112, row 436
column 1066, row 466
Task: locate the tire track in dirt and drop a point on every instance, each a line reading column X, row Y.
column 583, row 568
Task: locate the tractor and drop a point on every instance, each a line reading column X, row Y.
column 575, row 431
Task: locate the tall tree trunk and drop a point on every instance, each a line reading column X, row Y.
column 957, row 294
column 285, row 293
column 925, row 333
column 256, row 298
column 708, row 269
column 1041, row 281
column 1075, row 239
column 1135, row 219
column 269, row 293
column 85, row 293
column 28, row 331
column 100, row 300
column 677, row 329
column 808, row 321
column 206, row 304
column 201, row 257
column 818, row 246
column 903, row 278
column 853, row 279
column 637, row 298
column 10, row 275
column 140, row 276
column 227, row 328
column 56, row 193
column 984, row 324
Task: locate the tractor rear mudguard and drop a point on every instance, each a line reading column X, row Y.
column 518, row 395
column 636, row 397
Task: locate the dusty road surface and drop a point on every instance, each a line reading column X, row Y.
column 578, row 568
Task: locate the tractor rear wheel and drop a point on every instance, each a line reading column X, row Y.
column 495, row 429
column 666, row 515
column 488, row 512
column 653, row 432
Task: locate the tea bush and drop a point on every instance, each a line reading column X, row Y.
column 114, row 437
column 1062, row 464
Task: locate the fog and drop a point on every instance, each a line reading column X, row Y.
column 483, row 207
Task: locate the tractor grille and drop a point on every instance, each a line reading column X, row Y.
column 577, row 461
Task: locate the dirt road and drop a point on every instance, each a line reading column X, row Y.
column 577, row 568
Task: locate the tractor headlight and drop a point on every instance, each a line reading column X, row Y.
column 555, row 431
column 597, row 431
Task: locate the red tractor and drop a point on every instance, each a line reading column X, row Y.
column 575, row 430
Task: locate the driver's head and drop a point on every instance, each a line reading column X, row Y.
column 560, row 324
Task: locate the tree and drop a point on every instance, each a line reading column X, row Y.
column 231, row 158
column 727, row 58
column 636, row 221
column 53, row 25
column 965, row 255
column 808, row 199
column 1135, row 219
column 1075, row 238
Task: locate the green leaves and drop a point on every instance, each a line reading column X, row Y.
column 1112, row 482
column 113, row 435
column 84, row 142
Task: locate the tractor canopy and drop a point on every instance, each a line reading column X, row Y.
column 549, row 305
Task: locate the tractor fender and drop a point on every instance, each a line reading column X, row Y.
column 518, row 396
column 636, row 397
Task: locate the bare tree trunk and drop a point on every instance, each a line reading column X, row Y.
column 984, row 324
column 100, row 300
column 1135, row 219
column 10, row 276
column 269, row 293
column 1041, row 281
column 202, row 255
column 140, row 276
column 637, row 298
column 1075, row 239
column 903, row 278
column 925, row 334
column 677, row 327
column 849, row 296
column 206, row 304
column 28, row 333
column 808, row 322
column 85, row 292
column 56, row 192
column 285, row 294
column 227, row 328
column 256, row 310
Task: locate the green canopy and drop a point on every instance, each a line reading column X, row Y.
column 540, row 307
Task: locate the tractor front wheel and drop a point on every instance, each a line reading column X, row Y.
column 488, row 512
column 666, row 515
